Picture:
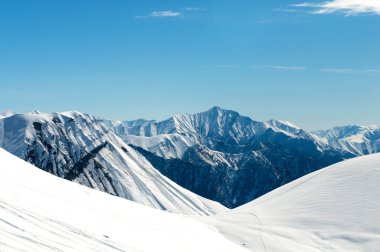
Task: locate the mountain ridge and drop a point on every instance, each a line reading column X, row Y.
column 240, row 158
column 81, row 148
column 245, row 152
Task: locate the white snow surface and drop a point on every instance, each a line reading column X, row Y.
column 334, row 209
column 41, row 212
column 132, row 176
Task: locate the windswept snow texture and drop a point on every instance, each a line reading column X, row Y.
column 41, row 212
column 224, row 156
column 81, row 148
column 334, row 209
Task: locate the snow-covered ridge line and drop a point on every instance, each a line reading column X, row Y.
column 83, row 149
column 333, row 209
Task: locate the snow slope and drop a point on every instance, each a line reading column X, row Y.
column 334, row 209
column 81, row 148
column 41, row 212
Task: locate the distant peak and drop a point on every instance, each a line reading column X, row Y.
column 7, row 113
column 217, row 109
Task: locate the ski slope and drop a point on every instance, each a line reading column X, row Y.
column 41, row 212
column 333, row 209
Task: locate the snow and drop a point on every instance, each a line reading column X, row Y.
column 41, row 212
column 7, row 113
column 358, row 140
column 334, row 209
column 172, row 137
column 65, row 138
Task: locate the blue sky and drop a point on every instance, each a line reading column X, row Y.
column 315, row 64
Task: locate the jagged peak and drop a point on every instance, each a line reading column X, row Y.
column 216, row 108
column 219, row 110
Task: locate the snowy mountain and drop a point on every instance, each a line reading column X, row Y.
column 6, row 113
column 41, row 212
column 230, row 158
column 358, row 140
column 333, row 209
column 81, row 148
column 217, row 154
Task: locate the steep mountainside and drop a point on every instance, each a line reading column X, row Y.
column 240, row 159
column 81, row 148
column 333, row 209
column 44, row 213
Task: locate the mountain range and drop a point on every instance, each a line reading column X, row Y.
column 81, row 148
column 232, row 159
column 217, row 154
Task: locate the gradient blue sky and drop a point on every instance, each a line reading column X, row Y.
column 312, row 64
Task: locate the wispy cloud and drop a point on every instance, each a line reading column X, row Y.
column 219, row 66
column 349, row 71
column 279, row 67
column 193, row 9
column 161, row 14
column 347, row 7
column 172, row 13
column 287, row 9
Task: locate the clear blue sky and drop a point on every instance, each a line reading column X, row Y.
column 316, row 65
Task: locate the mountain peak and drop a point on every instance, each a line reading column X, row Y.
column 220, row 111
column 7, row 113
column 216, row 108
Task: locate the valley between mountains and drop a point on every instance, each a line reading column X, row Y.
column 217, row 155
column 180, row 178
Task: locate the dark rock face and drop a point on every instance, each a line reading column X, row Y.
column 234, row 159
column 271, row 166
column 82, row 149
column 201, row 179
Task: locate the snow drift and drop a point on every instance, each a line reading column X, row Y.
column 334, row 209
column 41, row 212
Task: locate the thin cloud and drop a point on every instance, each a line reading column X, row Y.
column 219, row 66
column 193, row 9
column 286, row 10
column 162, row 14
column 347, row 7
column 349, row 71
column 279, row 67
